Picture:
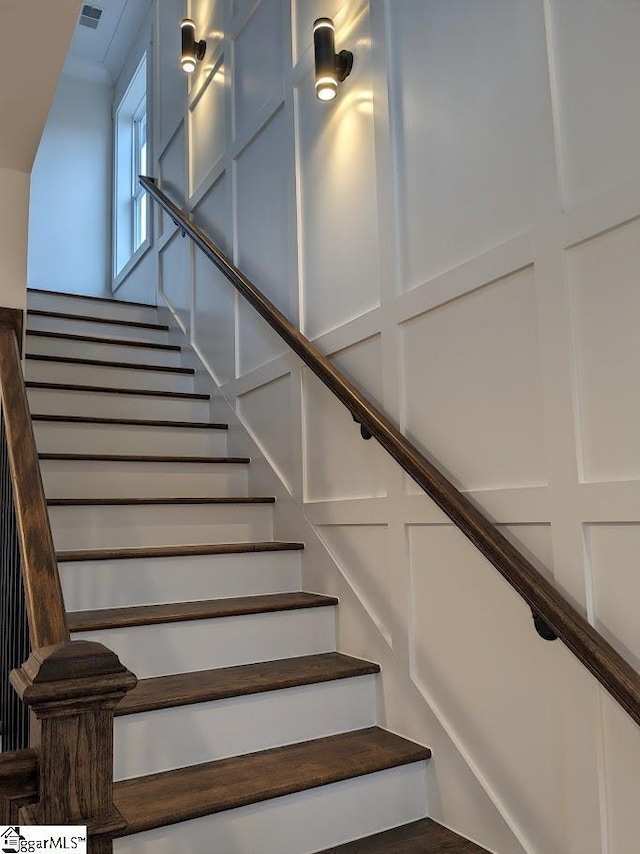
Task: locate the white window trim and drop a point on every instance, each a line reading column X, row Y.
column 119, row 277
column 138, row 193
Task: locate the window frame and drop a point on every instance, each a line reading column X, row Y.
column 140, row 200
column 132, row 221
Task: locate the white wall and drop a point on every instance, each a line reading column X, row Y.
column 49, row 34
column 70, row 216
column 14, row 212
column 460, row 230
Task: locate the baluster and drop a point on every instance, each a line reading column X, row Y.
column 14, row 632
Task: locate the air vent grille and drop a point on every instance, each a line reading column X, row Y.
column 90, row 17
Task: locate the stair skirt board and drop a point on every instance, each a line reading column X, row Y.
column 169, row 648
column 65, row 437
column 159, row 740
column 148, row 581
column 80, row 304
column 94, row 327
column 78, row 478
column 77, row 374
column 301, row 823
column 106, row 405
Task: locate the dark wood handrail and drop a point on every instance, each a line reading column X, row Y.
column 43, row 592
column 547, row 604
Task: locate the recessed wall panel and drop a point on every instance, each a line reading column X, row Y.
column 173, row 174
column 473, row 646
column 362, row 553
column 263, row 211
column 362, row 364
column 214, row 318
column 597, row 72
column 615, row 574
column 622, row 773
column 603, row 276
column 340, row 267
column 259, row 63
column 338, row 463
column 464, row 120
column 267, row 412
column 471, row 385
column 174, row 278
column 208, row 125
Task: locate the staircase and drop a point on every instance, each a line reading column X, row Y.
column 247, row 732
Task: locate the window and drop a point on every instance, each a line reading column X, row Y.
column 139, row 168
column 131, row 205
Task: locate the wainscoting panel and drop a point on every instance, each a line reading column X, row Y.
column 603, row 276
column 477, row 406
column 463, row 142
column 338, row 204
column 262, row 233
column 597, row 75
column 268, row 412
column 208, row 132
column 259, row 63
column 172, row 173
column 174, row 279
column 214, row 296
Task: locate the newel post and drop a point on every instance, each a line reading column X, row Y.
column 73, row 689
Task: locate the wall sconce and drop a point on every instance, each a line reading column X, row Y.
column 192, row 51
column 331, row 68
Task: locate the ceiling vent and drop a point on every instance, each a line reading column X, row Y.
column 90, row 17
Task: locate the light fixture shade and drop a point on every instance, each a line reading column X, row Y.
column 331, row 69
column 192, row 50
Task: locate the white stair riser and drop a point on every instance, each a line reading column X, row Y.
column 61, row 372
column 54, row 402
column 157, row 741
column 107, row 352
column 124, row 526
column 70, row 438
column 151, row 581
column 96, row 308
column 167, row 648
column 95, row 327
column 91, row 479
column 297, row 824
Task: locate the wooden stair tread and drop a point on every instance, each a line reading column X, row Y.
column 98, row 339
column 174, row 551
column 107, row 363
column 122, row 502
column 90, row 297
column 183, row 689
column 145, row 458
column 206, row 609
column 182, row 395
column 131, row 422
column 419, row 837
column 186, row 793
column 110, row 321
